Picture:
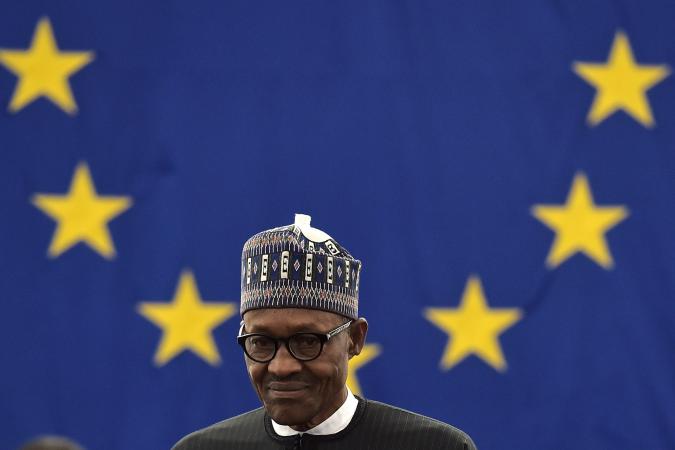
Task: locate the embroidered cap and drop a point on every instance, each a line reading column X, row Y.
column 298, row 266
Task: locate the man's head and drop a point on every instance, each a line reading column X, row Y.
column 297, row 279
column 298, row 393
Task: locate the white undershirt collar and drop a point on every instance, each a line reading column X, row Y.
column 335, row 423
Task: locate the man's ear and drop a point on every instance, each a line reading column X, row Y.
column 357, row 333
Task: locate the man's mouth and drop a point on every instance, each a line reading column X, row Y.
column 286, row 389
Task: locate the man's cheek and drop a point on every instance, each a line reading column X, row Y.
column 256, row 375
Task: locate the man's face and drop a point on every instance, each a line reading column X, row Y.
column 296, row 393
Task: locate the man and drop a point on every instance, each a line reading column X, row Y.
column 300, row 327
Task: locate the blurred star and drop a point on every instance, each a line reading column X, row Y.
column 187, row 322
column 621, row 83
column 82, row 215
column 43, row 70
column 473, row 328
column 580, row 225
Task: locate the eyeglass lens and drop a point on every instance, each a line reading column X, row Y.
column 302, row 346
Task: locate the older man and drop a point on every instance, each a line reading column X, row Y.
column 300, row 327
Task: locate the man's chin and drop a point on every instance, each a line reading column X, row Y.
column 288, row 412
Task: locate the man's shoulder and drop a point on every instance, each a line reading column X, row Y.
column 229, row 431
column 406, row 423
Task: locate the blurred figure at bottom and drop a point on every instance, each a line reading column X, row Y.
column 51, row 443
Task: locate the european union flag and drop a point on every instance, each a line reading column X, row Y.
column 504, row 170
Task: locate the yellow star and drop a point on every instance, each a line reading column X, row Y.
column 473, row 327
column 82, row 215
column 43, row 70
column 621, row 83
column 186, row 322
column 368, row 353
column 580, row 225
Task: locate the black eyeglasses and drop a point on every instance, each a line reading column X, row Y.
column 303, row 346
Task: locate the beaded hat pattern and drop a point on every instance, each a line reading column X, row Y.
column 297, row 266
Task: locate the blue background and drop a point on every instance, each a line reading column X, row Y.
column 418, row 134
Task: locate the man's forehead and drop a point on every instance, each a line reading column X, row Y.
column 289, row 319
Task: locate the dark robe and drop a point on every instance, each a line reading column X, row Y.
column 374, row 426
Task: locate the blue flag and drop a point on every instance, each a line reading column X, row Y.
column 504, row 170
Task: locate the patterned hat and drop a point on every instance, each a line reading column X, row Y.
column 298, row 266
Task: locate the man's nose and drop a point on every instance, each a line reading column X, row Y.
column 283, row 363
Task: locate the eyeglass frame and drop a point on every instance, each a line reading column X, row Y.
column 323, row 339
